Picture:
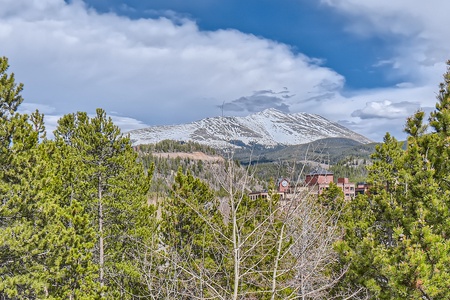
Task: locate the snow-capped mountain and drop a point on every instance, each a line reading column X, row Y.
column 268, row 128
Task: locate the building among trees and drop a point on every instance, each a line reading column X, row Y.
column 316, row 182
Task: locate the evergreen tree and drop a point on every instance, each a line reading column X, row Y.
column 12, row 124
column 112, row 186
column 43, row 232
column 333, row 199
column 191, row 229
column 47, row 235
column 397, row 237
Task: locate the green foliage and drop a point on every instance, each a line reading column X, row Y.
column 16, row 134
column 47, row 231
column 397, row 237
column 353, row 168
column 44, row 232
column 333, row 199
column 167, row 146
column 75, row 222
column 191, row 229
column 10, row 97
column 165, row 167
column 112, row 187
column 72, row 210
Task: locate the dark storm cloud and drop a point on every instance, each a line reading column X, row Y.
column 319, row 98
column 259, row 101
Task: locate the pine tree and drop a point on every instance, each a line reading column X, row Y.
column 47, row 232
column 43, row 232
column 191, row 229
column 112, row 186
column 397, row 237
column 12, row 124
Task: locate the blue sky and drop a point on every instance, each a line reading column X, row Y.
column 307, row 26
column 365, row 64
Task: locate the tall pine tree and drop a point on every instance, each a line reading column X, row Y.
column 398, row 237
column 112, row 186
column 192, row 234
column 44, row 233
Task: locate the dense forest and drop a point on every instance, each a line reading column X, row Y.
column 79, row 220
column 168, row 155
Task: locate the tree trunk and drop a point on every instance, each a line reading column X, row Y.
column 277, row 260
column 236, row 241
column 100, row 231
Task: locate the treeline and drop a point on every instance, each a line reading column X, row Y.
column 151, row 154
column 351, row 167
column 164, row 169
column 176, row 146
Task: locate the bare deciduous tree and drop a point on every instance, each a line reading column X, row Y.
column 264, row 249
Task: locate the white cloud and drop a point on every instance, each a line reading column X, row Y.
column 417, row 30
column 28, row 108
column 124, row 123
column 420, row 49
column 386, row 110
column 165, row 70
column 155, row 70
column 127, row 123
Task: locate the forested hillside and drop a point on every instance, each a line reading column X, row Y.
column 167, row 157
column 343, row 157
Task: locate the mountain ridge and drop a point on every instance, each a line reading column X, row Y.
column 268, row 128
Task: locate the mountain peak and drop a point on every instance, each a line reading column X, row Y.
column 271, row 111
column 269, row 128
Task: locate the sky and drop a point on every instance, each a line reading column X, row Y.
column 367, row 65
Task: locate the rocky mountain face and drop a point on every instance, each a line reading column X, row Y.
column 268, row 128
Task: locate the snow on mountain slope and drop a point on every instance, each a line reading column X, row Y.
column 267, row 128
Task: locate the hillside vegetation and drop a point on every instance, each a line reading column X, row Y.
column 349, row 158
column 344, row 157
